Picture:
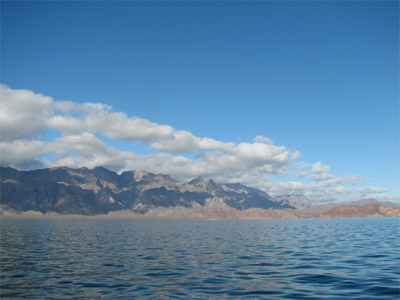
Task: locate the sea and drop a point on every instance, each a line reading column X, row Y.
column 241, row 259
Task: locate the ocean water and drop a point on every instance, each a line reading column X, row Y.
column 257, row 259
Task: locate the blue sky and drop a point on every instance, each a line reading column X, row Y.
column 320, row 78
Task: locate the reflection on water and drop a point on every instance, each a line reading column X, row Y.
column 260, row 259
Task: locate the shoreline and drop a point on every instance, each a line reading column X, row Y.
column 153, row 218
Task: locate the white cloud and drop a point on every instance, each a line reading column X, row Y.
column 14, row 151
column 263, row 139
column 98, row 118
column 119, row 126
column 295, row 155
column 372, row 190
column 301, row 174
column 320, row 172
column 319, row 168
column 184, row 142
column 79, row 122
column 24, row 114
column 321, row 177
column 259, row 152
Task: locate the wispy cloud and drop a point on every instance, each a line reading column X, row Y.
column 24, row 115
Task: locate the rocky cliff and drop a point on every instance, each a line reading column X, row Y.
column 100, row 191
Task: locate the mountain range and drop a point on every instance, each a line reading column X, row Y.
column 64, row 191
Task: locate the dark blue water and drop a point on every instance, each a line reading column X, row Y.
column 261, row 259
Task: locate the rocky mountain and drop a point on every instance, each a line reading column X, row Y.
column 373, row 209
column 297, row 200
column 337, row 210
column 98, row 192
column 82, row 191
column 367, row 201
column 363, row 202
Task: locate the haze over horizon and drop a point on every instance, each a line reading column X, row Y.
column 287, row 97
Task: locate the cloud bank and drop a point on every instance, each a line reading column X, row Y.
column 81, row 128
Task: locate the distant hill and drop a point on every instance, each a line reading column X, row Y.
column 364, row 202
column 64, row 191
column 373, row 209
column 367, row 201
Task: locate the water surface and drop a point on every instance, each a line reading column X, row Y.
column 260, row 259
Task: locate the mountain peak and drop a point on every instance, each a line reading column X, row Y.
column 211, row 183
column 295, row 200
column 363, row 202
column 197, row 181
column 138, row 175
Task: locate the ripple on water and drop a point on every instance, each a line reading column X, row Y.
column 271, row 259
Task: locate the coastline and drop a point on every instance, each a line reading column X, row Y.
column 152, row 218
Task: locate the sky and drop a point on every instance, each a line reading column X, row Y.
column 286, row 96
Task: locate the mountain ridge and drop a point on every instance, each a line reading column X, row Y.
column 63, row 191
column 100, row 191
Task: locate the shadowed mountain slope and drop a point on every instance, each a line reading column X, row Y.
column 64, row 190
